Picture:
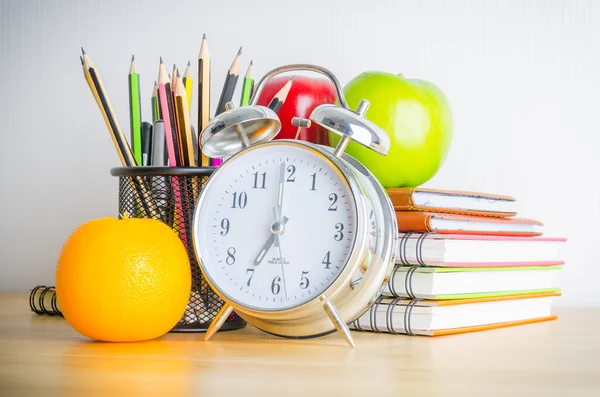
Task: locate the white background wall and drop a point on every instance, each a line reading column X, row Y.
column 522, row 76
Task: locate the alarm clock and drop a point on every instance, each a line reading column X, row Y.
column 299, row 239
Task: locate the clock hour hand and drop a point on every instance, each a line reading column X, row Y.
column 264, row 250
column 276, row 229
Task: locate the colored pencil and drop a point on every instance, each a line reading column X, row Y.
column 248, row 87
column 135, row 111
column 180, row 129
column 164, row 93
column 279, row 98
column 159, row 157
column 155, row 109
column 188, row 84
column 195, row 143
column 230, row 82
column 165, row 100
column 173, row 80
column 146, row 143
column 183, row 115
column 124, row 152
column 188, row 143
column 172, row 115
column 203, row 95
column 227, row 93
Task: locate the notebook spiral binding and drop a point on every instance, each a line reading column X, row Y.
column 389, row 322
column 404, row 262
column 37, row 298
column 403, row 258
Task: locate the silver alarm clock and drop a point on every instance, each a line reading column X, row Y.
column 297, row 238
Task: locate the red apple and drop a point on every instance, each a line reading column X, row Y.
column 307, row 93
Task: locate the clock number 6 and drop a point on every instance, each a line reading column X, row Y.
column 230, row 260
column 275, row 287
column 239, row 200
column 339, row 235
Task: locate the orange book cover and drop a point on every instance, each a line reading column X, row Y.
column 402, row 200
column 464, row 330
column 441, row 223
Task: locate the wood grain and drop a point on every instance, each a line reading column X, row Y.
column 41, row 355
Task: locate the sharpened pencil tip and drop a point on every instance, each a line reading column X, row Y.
column 251, row 63
column 155, row 82
column 161, row 61
column 132, row 58
column 178, row 75
column 240, row 51
column 292, row 79
column 82, row 51
column 204, row 36
column 189, row 63
column 80, row 57
column 174, row 67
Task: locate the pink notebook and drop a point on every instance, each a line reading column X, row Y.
column 478, row 251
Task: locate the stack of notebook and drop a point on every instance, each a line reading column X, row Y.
column 465, row 263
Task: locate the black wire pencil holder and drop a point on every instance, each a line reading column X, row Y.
column 173, row 193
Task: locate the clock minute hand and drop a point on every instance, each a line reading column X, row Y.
column 279, row 207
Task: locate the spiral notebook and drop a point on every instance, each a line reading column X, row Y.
column 459, row 250
column 434, row 318
column 42, row 300
column 474, row 282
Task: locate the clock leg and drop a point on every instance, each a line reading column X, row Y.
column 218, row 321
column 339, row 323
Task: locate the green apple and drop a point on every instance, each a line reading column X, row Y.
column 417, row 117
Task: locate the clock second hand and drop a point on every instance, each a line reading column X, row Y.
column 278, row 242
column 279, row 216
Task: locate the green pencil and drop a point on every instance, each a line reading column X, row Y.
column 248, row 88
column 135, row 111
column 155, row 108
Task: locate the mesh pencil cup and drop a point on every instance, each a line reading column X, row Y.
column 169, row 194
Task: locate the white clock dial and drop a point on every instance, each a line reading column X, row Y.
column 239, row 219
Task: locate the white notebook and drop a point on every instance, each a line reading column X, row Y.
column 433, row 318
column 460, row 283
column 465, row 250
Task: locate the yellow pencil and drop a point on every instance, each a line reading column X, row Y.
column 188, row 84
column 183, row 115
column 124, row 152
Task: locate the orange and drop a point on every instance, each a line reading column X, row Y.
column 123, row 280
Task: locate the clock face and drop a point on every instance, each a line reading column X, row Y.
column 270, row 251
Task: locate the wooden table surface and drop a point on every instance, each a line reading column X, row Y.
column 43, row 356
